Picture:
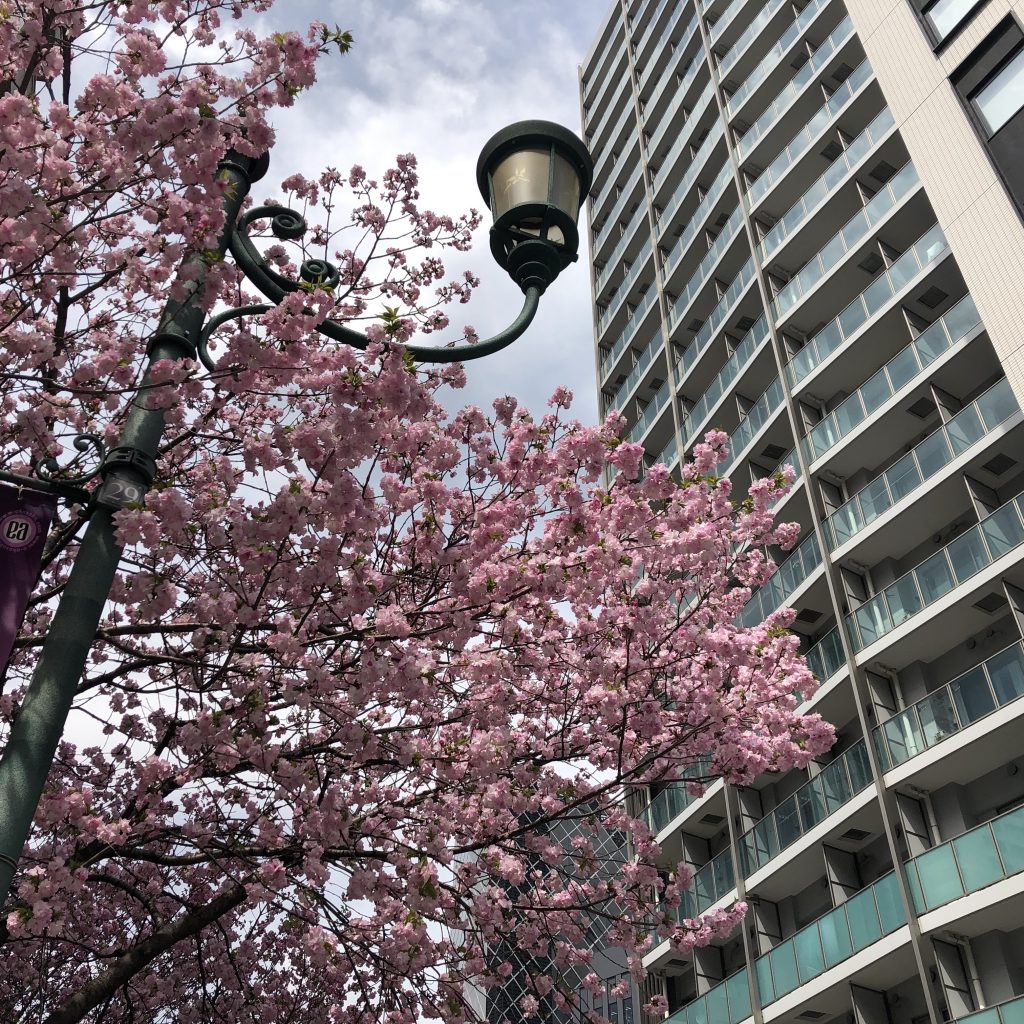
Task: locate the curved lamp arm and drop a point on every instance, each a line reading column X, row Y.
column 286, row 224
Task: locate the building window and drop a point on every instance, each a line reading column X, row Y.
column 1003, row 95
column 943, row 17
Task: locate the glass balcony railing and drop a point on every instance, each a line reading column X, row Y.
column 670, row 454
column 645, row 36
column 750, row 343
column 696, row 166
column 977, row 859
column 774, row 56
column 681, row 82
column 801, row 142
column 683, row 138
column 654, row 346
column 854, row 231
column 692, row 70
column 757, row 416
column 726, row 18
column 625, row 159
column 699, row 215
column 651, row 413
column 969, row 426
column 684, row 38
column 620, row 246
column 667, row 805
column 826, row 657
column 788, row 93
column 595, row 132
column 898, row 374
column 831, row 338
column 791, row 572
column 950, row 709
column 1010, row 1012
column 713, row 882
column 618, row 209
column 960, row 560
column 833, row 787
column 717, row 317
column 629, row 331
column 615, row 299
column 602, row 71
column 826, row 183
column 738, row 48
column 699, row 277
column 727, row 1003
column 853, row 926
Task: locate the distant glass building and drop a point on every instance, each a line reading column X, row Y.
column 806, row 231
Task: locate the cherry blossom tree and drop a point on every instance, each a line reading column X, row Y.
column 365, row 656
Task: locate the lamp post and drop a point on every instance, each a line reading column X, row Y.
column 533, row 175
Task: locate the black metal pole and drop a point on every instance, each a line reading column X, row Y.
column 127, row 474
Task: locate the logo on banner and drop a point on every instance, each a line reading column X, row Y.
column 18, row 531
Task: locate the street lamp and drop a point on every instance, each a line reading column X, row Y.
column 534, row 175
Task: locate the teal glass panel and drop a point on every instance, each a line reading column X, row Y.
column 739, row 997
column 903, row 270
column 903, row 599
column 997, row 403
column 971, row 695
column 881, row 750
column 931, row 343
column 903, row 476
column 877, row 294
column 787, row 822
column 872, row 621
column 935, row 577
column 965, row 429
column 937, row 717
column 889, row 903
column 863, row 918
column 989, row 1016
column 1009, row 833
column 1012, row 1012
column 809, row 957
column 718, row 1004
column 933, row 453
column 763, row 974
column 849, row 414
column 940, row 880
column 852, row 317
column 784, row 973
column 725, row 877
column 874, row 499
column 828, row 340
column 979, row 862
column 859, row 766
column 835, row 789
column 962, row 318
column 812, row 805
column 835, row 937
column 902, row 368
column 914, row 886
column 968, row 555
column 903, row 737
column 1003, row 530
column 845, row 523
column 1006, row 671
column 697, row 1013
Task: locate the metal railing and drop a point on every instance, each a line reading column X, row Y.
column 727, row 1003
column 970, row 425
column 697, row 218
column 628, row 331
column 1009, row 1012
column 898, row 374
column 651, row 413
column 666, row 32
column 747, row 36
column 693, row 68
column 624, row 159
column 970, row 697
column 956, row 563
column 790, row 573
column 622, row 291
column 696, row 166
column 785, row 97
column 862, row 309
column 620, row 246
column 770, row 402
column 667, row 805
column 801, row 142
column 669, row 72
column 683, row 139
column 833, row 787
column 826, row 183
column 699, row 277
column 618, row 208
column 853, row 232
column 826, row 657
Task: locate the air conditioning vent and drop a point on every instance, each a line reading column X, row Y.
column 695, row 325
column 773, row 452
column 656, row 383
column 808, row 615
column 799, row 60
column 810, row 1015
column 882, row 171
column 720, row 223
column 990, row 603
column 745, row 323
column 871, row 263
column 999, row 464
column 854, row 835
column 932, row 297
column 842, row 73
column 922, row 408
column 712, row 819
column 831, row 151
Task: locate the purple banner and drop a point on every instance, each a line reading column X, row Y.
column 25, row 517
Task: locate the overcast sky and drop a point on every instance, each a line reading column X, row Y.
column 438, row 78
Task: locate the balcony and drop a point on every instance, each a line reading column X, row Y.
column 626, row 159
column 973, row 861
column 972, row 424
column 715, row 191
column 853, row 232
column 783, row 100
column 652, row 349
column 669, row 75
column 928, row 248
column 615, row 300
column 596, row 130
column 967, row 699
column 897, row 375
column 647, row 34
column 726, row 19
column 771, row 402
column 716, row 134
column 790, row 574
column 1010, row 1012
column 995, row 536
column 628, row 192
column 711, row 884
column 831, row 789
column 853, row 926
column 773, row 57
column 663, row 38
column 749, row 346
column 682, row 140
column 667, row 805
column 666, row 120
column 670, row 454
column 827, row 182
column 630, row 232
column 715, row 319
column 625, row 339
column 826, row 657
column 727, row 1003
column 747, row 36
column 651, row 413
column 699, row 278
column 801, row 142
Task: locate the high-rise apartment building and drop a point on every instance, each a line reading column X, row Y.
column 806, row 231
